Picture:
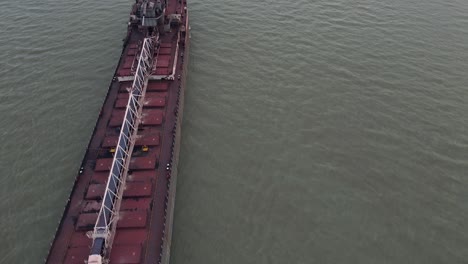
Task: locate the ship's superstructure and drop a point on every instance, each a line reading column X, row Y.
column 121, row 206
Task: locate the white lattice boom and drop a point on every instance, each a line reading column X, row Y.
column 104, row 229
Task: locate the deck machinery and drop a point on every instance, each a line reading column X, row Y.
column 121, row 205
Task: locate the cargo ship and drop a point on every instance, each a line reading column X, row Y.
column 120, row 209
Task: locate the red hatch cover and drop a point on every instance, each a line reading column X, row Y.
column 137, row 189
column 130, row 254
column 152, row 117
column 132, row 219
column 132, row 204
column 124, row 95
column 143, row 163
column 128, row 204
column 86, row 221
column 124, row 72
column 117, row 118
column 124, row 88
column 116, row 121
column 77, row 255
column 103, row 164
column 132, row 189
column 110, row 141
column 121, row 103
column 130, row 236
column 80, row 239
column 166, row 45
column 91, row 206
column 165, row 57
column 95, row 191
column 165, row 51
column 154, row 102
column 118, row 112
column 147, row 139
column 143, row 175
column 128, row 62
column 132, row 52
column 100, row 177
column 163, row 71
column 162, row 63
column 157, row 86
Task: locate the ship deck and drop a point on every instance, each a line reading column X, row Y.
column 142, row 227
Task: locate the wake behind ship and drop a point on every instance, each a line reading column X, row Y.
column 121, row 205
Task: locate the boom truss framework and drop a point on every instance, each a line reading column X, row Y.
column 106, row 223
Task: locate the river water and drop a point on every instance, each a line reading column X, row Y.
column 314, row 131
